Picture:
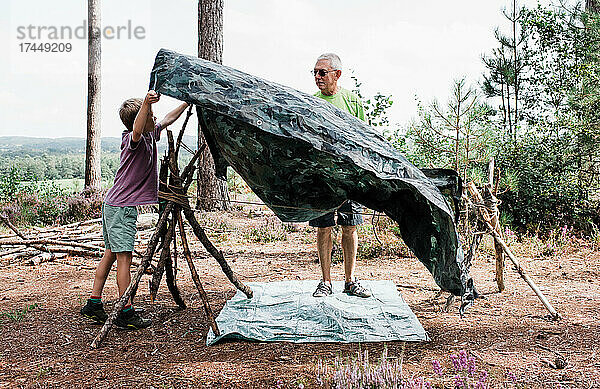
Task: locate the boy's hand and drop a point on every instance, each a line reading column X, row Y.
column 152, row 97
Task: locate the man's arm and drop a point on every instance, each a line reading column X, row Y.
column 142, row 116
column 172, row 116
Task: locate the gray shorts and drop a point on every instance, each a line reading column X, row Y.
column 118, row 227
column 348, row 214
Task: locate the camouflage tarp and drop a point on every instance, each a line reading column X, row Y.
column 304, row 157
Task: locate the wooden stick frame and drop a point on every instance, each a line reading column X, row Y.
column 493, row 229
column 170, row 220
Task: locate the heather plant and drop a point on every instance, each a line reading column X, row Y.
column 82, row 206
column 272, row 231
column 558, row 241
column 45, row 203
column 464, row 372
column 360, row 373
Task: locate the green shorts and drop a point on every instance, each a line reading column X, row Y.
column 118, row 227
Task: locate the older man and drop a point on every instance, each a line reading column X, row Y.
column 327, row 71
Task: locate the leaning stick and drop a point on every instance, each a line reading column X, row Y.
column 180, row 136
column 188, row 257
column 169, row 266
column 136, row 279
column 487, row 220
column 218, row 255
column 160, row 266
column 165, row 263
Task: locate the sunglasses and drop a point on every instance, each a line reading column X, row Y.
column 322, row 72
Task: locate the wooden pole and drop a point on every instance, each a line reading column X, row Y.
column 491, row 203
column 170, row 277
column 218, row 255
column 188, row 257
column 487, row 220
column 163, row 174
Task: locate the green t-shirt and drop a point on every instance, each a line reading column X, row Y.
column 346, row 101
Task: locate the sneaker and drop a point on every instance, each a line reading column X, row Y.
column 353, row 288
column 132, row 320
column 323, row 289
column 94, row 311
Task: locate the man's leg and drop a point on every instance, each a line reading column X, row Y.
column 349, row 248
column 349, row 216
column 324, row 246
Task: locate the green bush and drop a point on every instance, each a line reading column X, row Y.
column 542, row 191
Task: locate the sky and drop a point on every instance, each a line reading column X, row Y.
column 407, row 49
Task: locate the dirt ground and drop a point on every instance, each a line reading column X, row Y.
column 48, row 346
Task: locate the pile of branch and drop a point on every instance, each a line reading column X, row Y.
column 39, row 245
column 173, row 207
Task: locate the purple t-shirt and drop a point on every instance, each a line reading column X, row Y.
column 136, row 181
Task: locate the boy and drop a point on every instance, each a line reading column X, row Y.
column 136, row 183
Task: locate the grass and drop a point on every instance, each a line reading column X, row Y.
column 70, row 185
column 18, row 315
column 267, row 233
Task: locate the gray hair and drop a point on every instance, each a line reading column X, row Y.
column 334, row 60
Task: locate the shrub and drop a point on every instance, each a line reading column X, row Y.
column 9, row 183
column 542, row 188
column 43, row 203
column 83, row 206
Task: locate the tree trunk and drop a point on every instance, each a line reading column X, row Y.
column 592, row 6
column 211, row 191
column 93, row 176
column 515, row 64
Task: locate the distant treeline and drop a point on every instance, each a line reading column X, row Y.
column 62, row 158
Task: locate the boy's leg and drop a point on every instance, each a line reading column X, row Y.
column 102, row 272
column 128, row 318
column 124, row 272
column 94, row 309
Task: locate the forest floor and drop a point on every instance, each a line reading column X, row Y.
column 44, row 342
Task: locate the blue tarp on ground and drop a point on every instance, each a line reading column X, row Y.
column 287, row 311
